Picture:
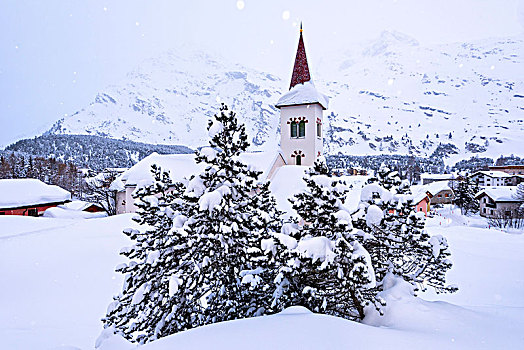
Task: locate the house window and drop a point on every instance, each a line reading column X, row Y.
column 293, row 129
column 302, row 129
column 439, row 195
column 508, row 213
column 491, row 212
column 484, row 210
column 32, row 212
column 319, row 130
column 299, row 159
column 447, row 195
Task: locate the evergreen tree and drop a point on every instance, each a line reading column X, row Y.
column 201, row 256
column 322, row 266
column 386, row 177
column 397, row 241
column 465, row 192
column 229, row 225
column 149, row 306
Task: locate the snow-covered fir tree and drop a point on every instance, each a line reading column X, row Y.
column 229, row 225
column 199, row 259
column 322, row 266
column 465, row 192
column 386, row 177
column 149, row 306
column 396, row 239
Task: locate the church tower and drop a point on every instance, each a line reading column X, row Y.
column 301, row 110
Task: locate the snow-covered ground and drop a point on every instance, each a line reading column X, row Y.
column 57, row 278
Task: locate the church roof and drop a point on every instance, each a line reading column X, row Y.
column 303, row 94
column 301, row 68
column 302, row 91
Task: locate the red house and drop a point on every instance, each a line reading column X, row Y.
column 29, row 197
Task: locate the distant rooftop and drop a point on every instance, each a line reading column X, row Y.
column 16, row 193
column 500, row 193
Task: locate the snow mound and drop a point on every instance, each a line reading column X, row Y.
column 61, row 213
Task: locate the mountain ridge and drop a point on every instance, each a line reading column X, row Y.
column 389, row 96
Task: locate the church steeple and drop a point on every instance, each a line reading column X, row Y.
column 301, row 69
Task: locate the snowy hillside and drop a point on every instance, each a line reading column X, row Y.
column 388, row 96
column 396, row 96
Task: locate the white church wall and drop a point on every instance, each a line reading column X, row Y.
column 306, row 146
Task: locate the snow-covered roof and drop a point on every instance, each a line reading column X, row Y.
column 259, row 161
column 438, row 186
column 439, row 176
column 77, row 205
column 419, row 192
column 300, row 94
column 419, row 196
column 179, row 166
column 16, row 193
column 182, row 166
column 492, row 173
column 500, row 193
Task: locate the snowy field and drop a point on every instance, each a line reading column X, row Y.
column 57, row 279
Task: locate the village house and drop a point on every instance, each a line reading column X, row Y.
column 426, row 179
column 441, row 192
column 509, row 169
column 421, row 202
column 490, row 178
column 29, row 197
column 498, row 201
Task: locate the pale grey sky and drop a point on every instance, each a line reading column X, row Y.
column 56, row 54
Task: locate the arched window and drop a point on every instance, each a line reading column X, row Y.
column 293, row 129
column 298, row 159
column 302, row 129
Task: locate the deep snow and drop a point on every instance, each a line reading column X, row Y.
column 58, row 279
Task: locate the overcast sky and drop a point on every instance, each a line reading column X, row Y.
column 55, row 55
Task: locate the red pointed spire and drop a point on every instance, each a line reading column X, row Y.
column 301, row 69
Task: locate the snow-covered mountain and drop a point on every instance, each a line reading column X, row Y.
column 169, row 99
column 388, row 96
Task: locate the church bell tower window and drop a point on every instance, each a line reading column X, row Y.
column 302, row 129
column 293, row 129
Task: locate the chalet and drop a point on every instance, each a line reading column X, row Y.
column 421, row 201
column 509, row 169
column 441, row 192
column 29, row 197
column 490, row 178
column 498, row 200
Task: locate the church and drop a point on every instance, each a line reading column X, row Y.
column 301, row 114
column 301, row 119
